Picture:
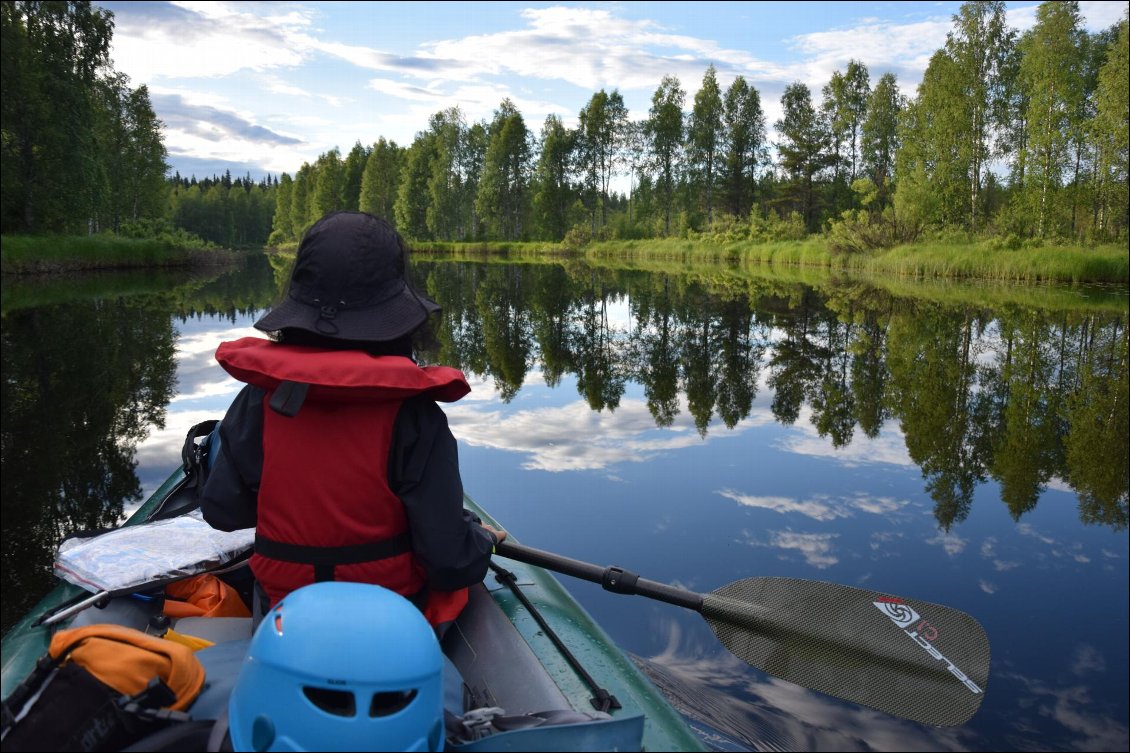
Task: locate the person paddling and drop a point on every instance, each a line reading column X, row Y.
column 336, row 450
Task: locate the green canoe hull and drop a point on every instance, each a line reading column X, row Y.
column 594, row 650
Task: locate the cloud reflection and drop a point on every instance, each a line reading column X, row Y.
column 816, row 548
column 204, row 391
column 574, row 437
column 950, row 542
column 888, row 448
column 716, row 689
column 1086, row 659
column 1075, row 709
column 820, row 507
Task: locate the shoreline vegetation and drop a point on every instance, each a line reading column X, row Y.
column 945, row 260
column 62, row 254
column 1008, row 164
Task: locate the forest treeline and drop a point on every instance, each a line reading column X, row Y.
column 82, row 151
column 1018, row 136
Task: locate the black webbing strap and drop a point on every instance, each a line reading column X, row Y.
column 288, row 398
column 325, row 558
column 602, row 700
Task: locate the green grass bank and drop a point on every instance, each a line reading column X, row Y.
column 1070, row 264
column 39, row 254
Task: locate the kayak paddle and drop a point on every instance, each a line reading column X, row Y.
column 913, row 659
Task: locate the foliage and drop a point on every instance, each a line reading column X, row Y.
column 163, row 231
column 664, row 130
column 81, row 150
column 1008, row 135
column 870, row 228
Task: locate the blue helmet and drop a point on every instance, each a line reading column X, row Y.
column 340, row 666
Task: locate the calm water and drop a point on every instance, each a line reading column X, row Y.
column 963, row 446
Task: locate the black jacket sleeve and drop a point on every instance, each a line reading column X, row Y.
column 231, row 494
column 424, row 473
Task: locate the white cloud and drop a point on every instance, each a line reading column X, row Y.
column 199, row 376
column 277, row 85
column 592, row 49
column 1101, row 14
column 901, row 48
column 477, row 102
column 888, row 448
column 815, row 548
column 1086, row 659
column 880, row 540
column 1028, row 530
column 819, row 507
column 205, row 125
column 405, row 90
column 950, row 542
column 549, row 61
column 574, row 437
column 161, row 449
column 203, row 40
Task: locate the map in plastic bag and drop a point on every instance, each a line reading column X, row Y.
column 163, row 550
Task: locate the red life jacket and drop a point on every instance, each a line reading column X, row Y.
column 325, row 509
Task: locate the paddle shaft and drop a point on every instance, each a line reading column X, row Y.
column 614, row 579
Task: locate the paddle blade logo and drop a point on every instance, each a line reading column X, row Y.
column 922, row 633
column 902, row 614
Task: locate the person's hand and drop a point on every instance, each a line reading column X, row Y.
column 499, row 534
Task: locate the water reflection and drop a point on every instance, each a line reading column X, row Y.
column 1022, row 396
column 88, row 368
column 739, row 708
column 82, row 383
column 752, row 426
column 752, row 711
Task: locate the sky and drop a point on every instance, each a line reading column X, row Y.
column 262, row 87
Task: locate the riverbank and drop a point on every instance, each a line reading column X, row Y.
column 755, row 280
column 953, row 261
column 41, row 254
column 984, row 261
column 1074, row 264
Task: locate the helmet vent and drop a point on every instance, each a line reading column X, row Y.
column 387, row 704
column 336, row 702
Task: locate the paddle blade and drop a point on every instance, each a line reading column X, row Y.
column 910, row 658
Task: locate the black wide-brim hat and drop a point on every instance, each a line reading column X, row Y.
column 349, row 283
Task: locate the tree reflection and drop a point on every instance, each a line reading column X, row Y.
column 551, row 312
column 1025, row 396
column 600, row 353
column 742, row 348
column 83, row 383
column 657, row 355
column 795, row 365
column 1097, row 417
column 507, row 338
column 1020, row 395
column 932, row 357
column 88, row 369
column 869, row 374
column 1025, row 425
column 698, row 349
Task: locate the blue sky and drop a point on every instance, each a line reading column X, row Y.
column 265, row 86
